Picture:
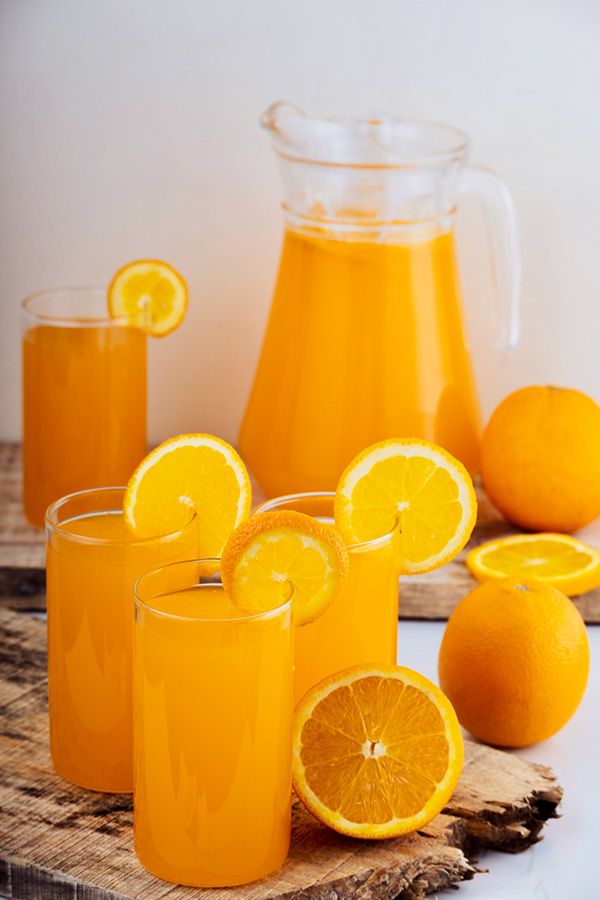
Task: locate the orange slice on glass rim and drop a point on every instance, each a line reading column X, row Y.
column 413, row 486
column 275, row 555
column 377, row 752
column 150, row 294
column 196, row 472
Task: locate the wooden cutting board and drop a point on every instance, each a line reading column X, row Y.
column 430, row 596
column 59, row 842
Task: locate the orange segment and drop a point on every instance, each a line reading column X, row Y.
column 277, row 554
column 415, row 486
column 193, row 471
column 377, row 752
column 150, row 294
column 558, row 559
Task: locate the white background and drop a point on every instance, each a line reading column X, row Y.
column 129, row 128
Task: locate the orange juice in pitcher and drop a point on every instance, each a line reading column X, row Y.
column 366, row 338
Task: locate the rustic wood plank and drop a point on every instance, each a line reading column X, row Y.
column 15, row 531
column 434, row 595
column 430, row 596
column 58, row 841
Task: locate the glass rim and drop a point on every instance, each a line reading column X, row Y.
column 358, row 547
column 458, row 143
column 252, row 617
column 55, row 526
column 352, row 226
column 82, row 321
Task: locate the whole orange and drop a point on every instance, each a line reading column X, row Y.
column 540, row 458
column 514, row 661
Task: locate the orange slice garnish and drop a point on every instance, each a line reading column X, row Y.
column 377, row 752
column 150, row 294
column 275, row 555
column 416, row 487
column 196, row 472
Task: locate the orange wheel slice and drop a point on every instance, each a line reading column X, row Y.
column 277, row 554
column 376, row 752
column 149, row 294
column 416, row 487
column 558, row 559
column 197, row 472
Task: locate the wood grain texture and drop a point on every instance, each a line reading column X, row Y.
column 58, row 841
column 430, row 596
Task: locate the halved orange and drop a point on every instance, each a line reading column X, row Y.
column 150, row 294
column 558, row 559
column 414, row 486
column 198, row 472
column 275, row 555
column 377, row 752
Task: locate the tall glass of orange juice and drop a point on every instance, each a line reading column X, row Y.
column 361, row 625
column 212, row 733
column 92, row 563
column 84, row 396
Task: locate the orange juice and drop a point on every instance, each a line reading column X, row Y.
column 93, row 561
column 361, row 625
column 365, row 341
column 212, row 713
column 84, row 408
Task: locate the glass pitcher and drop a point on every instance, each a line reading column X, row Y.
column 365, row 339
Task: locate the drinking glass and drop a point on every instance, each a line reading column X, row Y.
column 84, row 396
column 361, row 625
column 92, row 563
column 212, row 733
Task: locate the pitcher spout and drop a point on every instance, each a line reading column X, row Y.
column 287, row 125
column 274, row 118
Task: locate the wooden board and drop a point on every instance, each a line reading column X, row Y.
column 430, row 596
column 58, row 841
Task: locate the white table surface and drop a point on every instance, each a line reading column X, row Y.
column 563, row 866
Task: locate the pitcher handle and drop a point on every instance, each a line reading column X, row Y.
column 503, row 240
